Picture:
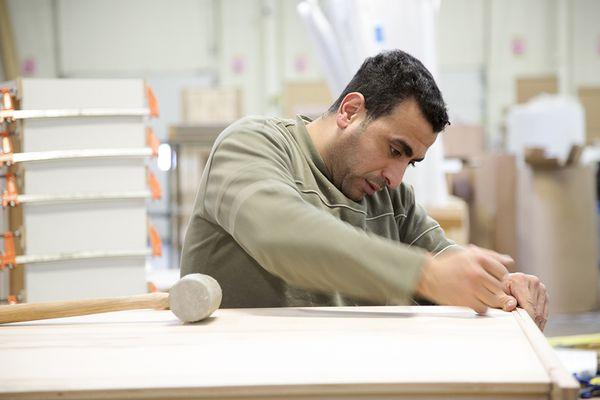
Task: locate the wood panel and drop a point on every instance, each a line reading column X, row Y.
column 345, row 352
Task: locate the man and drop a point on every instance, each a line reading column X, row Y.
column 314, row 213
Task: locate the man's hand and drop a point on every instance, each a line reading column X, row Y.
column 527, row 289
column 471, row 278
column 530, row 294
column 478, row 278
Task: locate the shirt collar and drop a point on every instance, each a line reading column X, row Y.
column 307, row 144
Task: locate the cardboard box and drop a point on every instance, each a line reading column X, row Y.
column 590, row 99
column 529, row 87
column 307, row 98
column 211, row 105
column 463, row 141
column 453, row 218
column 489, row 187
column 558, row 233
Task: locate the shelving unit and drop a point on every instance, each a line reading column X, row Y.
column 75, row 153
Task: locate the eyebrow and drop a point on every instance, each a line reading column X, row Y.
column 406, row 149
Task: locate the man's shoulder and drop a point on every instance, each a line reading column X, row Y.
column 256, row 128
column 260, row 124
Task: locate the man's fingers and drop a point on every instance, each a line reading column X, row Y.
column 478, row 306
column 537, row 292
column 504, row 259
column 509, row 303
column 493, row 267
column 520, row 290
column 540, row 308
column 545, row 311
column 499, row 298
column 496, row 298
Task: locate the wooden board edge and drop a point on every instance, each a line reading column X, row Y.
column 564, row 386
column 358, row 390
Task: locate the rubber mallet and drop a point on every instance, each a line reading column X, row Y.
column 193, row 298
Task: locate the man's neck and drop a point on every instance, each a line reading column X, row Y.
column 322, row 134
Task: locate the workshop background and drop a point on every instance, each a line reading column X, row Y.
column 515, row 172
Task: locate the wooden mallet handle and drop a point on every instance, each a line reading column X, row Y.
column 59, row 309
column 193, row 298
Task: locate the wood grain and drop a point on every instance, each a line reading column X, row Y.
column 563, row 384
column 352, row 352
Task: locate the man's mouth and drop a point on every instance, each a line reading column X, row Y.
column 371, row 187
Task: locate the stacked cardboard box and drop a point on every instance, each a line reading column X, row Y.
column 558, row 229
column 590, row 99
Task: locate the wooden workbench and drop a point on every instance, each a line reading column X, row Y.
column 299, row 353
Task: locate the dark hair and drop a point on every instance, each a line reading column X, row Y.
column 391, row 77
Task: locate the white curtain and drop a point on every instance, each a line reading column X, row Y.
column 345, row 32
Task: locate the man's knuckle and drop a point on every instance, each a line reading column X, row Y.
column 475, row 275
column 517, row 276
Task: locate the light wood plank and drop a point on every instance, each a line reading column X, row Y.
column 359, row 352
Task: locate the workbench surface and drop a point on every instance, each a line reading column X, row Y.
column 346, row 352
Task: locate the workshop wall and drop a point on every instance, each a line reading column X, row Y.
column 461, row 49
column 35, row 44
column 585, row 43
column 482, row 45
column 261, row 47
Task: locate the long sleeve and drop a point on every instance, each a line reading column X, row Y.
column 249, row 191
column 420, row 230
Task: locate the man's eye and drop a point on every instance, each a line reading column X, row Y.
column 394, row 152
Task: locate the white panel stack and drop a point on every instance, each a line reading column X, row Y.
column 113, row 229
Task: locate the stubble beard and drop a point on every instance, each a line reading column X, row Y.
column 343, row 162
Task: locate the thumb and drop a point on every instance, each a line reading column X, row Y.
column 509, row 303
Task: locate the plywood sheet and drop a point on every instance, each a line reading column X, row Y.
column 353, row 352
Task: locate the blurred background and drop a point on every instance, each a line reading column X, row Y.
column 516, row 171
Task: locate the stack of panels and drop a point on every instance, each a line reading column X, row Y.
column 65, row 228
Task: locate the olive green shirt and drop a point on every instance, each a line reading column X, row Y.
column 273, row 230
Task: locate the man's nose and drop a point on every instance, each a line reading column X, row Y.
column 394, row 173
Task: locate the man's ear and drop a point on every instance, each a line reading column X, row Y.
column 350, row 109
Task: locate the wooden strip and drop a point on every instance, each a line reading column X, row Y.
column 564, row 386
column 76, row 197
column 8, row 50
column 74, row 112
column 425, row 391
column 76, row 154
column 31, row 259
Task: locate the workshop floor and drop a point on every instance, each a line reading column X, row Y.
column 573, row 324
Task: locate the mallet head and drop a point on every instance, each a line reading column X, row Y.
column 195, row 297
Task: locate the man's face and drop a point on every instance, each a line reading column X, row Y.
column 370, row 155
